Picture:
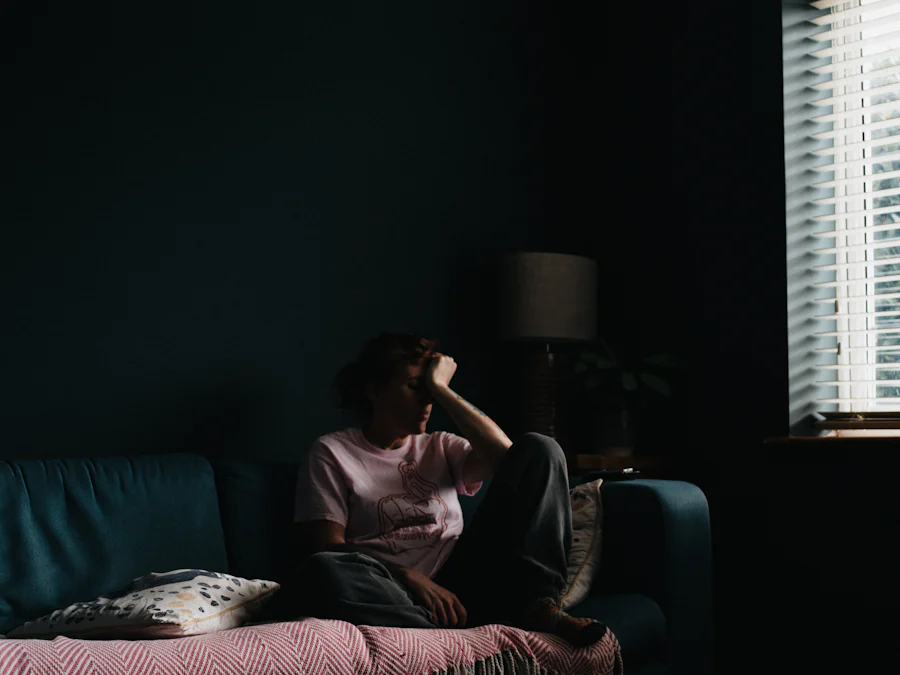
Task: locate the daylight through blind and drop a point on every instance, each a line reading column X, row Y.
column 859, row 46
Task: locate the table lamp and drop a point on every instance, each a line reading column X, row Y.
column 545, row 299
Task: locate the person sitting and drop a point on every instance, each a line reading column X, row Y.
column 380, row 506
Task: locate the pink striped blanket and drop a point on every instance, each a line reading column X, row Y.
column 318, row 647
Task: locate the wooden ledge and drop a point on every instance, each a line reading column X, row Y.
column 826, row 440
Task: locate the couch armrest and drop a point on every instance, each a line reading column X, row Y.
column 656, row 541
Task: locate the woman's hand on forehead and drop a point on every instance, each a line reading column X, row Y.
column 440, row 370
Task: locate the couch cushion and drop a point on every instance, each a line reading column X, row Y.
column 256, row 499
column 73, row 529
column 635, row 619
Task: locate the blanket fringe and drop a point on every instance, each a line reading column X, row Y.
column 503, row 663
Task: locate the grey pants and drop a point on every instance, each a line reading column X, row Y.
column 513, row 552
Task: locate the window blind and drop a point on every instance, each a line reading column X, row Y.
column 859, row 48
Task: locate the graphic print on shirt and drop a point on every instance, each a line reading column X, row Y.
column 417, row 517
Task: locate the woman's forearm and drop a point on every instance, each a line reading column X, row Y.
column 481, row 431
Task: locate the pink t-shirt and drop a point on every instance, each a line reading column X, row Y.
column 399, row 504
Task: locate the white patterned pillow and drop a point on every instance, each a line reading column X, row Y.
column 159, row 605
column 587, row 533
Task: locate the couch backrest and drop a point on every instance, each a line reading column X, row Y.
column 73, row 529
column 256, row 500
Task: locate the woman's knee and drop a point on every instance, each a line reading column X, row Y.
column 332, row 577
column 330, row 569
column 541, row 447
column 321, row 570
column 337, row 584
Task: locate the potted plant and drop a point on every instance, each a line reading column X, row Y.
column 616, row 389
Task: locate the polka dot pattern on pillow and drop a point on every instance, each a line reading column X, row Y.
column 160, row 604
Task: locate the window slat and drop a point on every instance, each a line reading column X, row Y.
column 857, row 113
column 887, row 349
column 854, row 29
column 875, row 194
column 880, row 296
column 839, row 50
column 874, row 56
column 857, row 231
column 874, row 8
column 858, row 403
column 876, row 366
column 883, row 90
column 880, row 244
column 859, row 146
column 855, row 79
column 858, row 282
column 873, row 126
column 857, row 183
column 861, row 212
column 856, row 265
column 841, row 383
column 868, row 331
column 859, row 163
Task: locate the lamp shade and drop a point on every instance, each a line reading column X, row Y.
column 547, row 297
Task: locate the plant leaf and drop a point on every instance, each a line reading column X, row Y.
column 657, row 383
column 629, row 382
column 605, row 364
column 581, row 367
column 589, row 356
column 592, row 381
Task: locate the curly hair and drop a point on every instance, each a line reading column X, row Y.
column 379, row 361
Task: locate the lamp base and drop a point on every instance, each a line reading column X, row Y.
column 542, row 373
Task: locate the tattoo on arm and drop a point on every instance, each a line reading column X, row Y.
column 472, row 405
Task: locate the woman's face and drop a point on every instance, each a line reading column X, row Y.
column 403, row 404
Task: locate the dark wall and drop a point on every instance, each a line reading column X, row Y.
column 208, row 209
column 834, row 549
column 681, row 185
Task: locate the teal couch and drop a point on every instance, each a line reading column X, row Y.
column 72, row 529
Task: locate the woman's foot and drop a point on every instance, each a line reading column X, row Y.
column 545, row 616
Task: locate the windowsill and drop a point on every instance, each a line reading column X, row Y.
column 876, row 435
column 834, row 451
column 863, row 433
column 845, row 427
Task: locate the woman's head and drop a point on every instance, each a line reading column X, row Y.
column 386, row 385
